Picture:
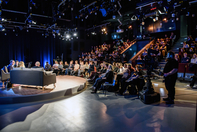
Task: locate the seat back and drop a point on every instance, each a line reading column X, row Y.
column 4, row 76
column 6, row 69
column 188, row 73
column 181, row 70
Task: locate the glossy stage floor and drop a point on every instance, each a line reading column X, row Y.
column 65, row 85
column 86, row 112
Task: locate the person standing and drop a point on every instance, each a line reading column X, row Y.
column 170, row 75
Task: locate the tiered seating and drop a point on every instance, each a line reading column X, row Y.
column 185, row 72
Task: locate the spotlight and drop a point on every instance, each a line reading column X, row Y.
column 154, row 19
column 13, row 30
column 43, row 34
column 27, row 30
column 165, row 19
column 103, row 29
column 95, row 13
column 130, row 27
column 143, row 23
column 75, row 34
column 58, row 34
column 67, row 36
column 93, row 33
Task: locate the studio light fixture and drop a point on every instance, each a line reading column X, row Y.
column 67, row 36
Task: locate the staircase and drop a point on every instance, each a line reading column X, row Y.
column 175, row 49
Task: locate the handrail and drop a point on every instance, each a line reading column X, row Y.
column 140, row 52
column 133, row 42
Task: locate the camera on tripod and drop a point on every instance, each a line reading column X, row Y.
column 148, row 95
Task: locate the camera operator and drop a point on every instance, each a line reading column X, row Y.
column 170, row 75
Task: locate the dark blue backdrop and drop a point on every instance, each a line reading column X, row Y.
column 31, row 46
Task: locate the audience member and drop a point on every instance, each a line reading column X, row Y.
column 11, row 65
column 22, row 64
column 37, row 65
column 70, row 68
column 47, row 67
column 107, row 77
column 185, row 59
column 16, row 64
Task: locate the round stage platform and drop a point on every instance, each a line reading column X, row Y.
column 65, row 85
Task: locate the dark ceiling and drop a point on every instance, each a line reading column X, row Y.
column 48, row 14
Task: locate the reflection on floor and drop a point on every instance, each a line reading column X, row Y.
column 18, row 90
column 89, row 113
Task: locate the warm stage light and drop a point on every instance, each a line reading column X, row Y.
column 103, row 30
column 165, row 19
column 154, row 19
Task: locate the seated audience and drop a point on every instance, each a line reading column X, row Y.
column 56, row 68
column 65, row 66
column 16, row 64
column 176, row 57
column 76, row 68
column 145, row 53
column 91, row 67
column 185, row 59
column 139, row 57
column 47, row 67
column 60, row 67
column 82, row 68
column 194, row 59
column 37, row 65
column 185, row 46
column 70, row 68
column 11, row 65
column 181, row 52
column 22, row 64
column 134, row 79
column 191, row 51
column 107, row 77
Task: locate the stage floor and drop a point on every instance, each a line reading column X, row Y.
column 63, row 83
column 88, row 112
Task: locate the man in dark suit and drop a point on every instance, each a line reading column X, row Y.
column 107, row 77
column 11, row 65
column 16, row 64
column 37, row 65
